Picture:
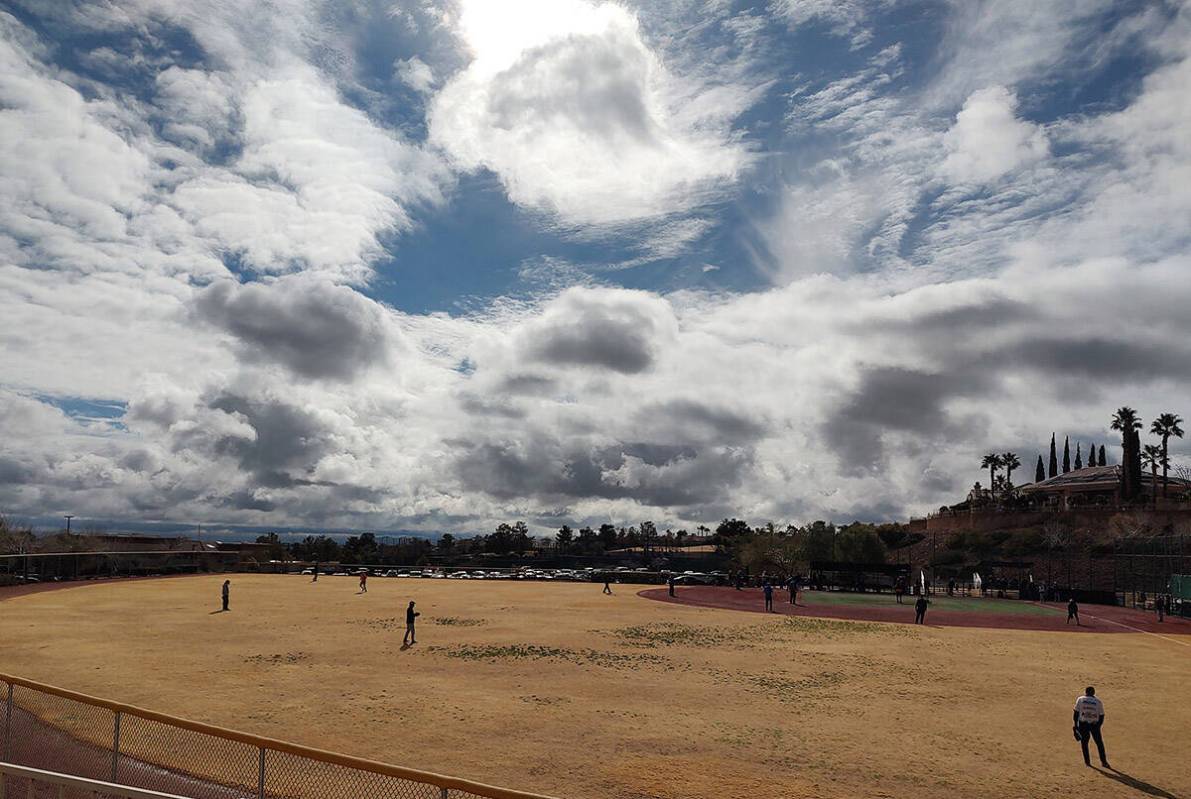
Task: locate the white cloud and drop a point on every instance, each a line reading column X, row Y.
column 860, row 386
column 415, row 73
column 570, row 107
column 988, row 140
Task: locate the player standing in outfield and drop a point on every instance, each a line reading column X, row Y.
column 226, row 593
column 1160, row 606
column 1073, row 612
column 363, row 582
column 792, row 584
column 1088, row 718
column 768, row 589
column 670, row 584
column 920, row 609
column 315, row 579
column 410, row 615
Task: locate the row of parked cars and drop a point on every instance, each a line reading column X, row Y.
column 589, row 574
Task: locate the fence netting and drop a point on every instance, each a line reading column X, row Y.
column 54, row 733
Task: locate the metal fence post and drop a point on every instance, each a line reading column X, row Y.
column 260, row 782
column 116, row 746
column 7, row 724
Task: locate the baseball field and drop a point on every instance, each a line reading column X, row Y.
column 559, row 689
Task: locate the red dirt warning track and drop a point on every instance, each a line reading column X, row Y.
column 1094, row 618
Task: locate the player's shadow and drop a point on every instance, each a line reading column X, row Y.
column 216, row 612
column 1136, row 784
column 405, row 646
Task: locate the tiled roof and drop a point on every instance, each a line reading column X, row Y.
column 1092, row 478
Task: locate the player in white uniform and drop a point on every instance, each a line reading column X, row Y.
column 1088, row 717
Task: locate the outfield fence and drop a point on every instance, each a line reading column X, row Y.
column 55, row 730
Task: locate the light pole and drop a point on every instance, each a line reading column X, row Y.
column 68, row 517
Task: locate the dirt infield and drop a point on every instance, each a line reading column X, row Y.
column 883, row 608
column 559, row 689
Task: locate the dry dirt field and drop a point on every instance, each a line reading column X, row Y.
column 559, row 689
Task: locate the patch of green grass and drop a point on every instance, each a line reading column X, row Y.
column 834, row 628
column 497, row 652
column 673, row 633
column 276, row 660
column 458, row 621
column 972, row 604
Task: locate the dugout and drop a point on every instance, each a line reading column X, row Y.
column 1180, row 594
column 847, row 576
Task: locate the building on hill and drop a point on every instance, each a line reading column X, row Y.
column 1096, row 487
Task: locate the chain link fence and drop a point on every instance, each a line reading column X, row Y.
column 57, row 730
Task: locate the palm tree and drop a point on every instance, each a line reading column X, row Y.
column 1166, row 425
column 1125, row 420
column 1151, row 456
column 1010, row 462
column 992, row 461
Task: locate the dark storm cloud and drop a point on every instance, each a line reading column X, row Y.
column 13, row 472
column 605, row 329
column 246, row 500
column 971, row 318
column 317, row 330
column 288, row 444
column 674, row 476
column 690, row 420
column 1110, row 359
column 526, row 384
column 901, row 400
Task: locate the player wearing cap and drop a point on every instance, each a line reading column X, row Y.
column 1088, row 718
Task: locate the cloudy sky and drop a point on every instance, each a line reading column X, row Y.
column 432, row 265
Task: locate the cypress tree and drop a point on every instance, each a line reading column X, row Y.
column 1103, row 462
column 1054, row 458
column 1078, row 456
column 1040, row 472
column 1066, row 455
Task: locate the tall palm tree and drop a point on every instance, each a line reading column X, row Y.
column 1166, row 425
column 1010, row 462
column 992, row 461
column 1151, row 456
column 1125, row 420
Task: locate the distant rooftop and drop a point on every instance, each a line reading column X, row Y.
column 1095, row 478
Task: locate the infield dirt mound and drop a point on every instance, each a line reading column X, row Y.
column 1093, row 618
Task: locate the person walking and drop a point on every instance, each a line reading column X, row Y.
column 363, row 582
column 315, row 578
column 1073, row 612
column 768, row 589
column 227, row 594
column 670, row 584
column 920, row 609
column 1088, row 718
column 607, row 587
column 410, row 615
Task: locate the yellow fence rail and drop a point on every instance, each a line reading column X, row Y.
column 52, row 728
